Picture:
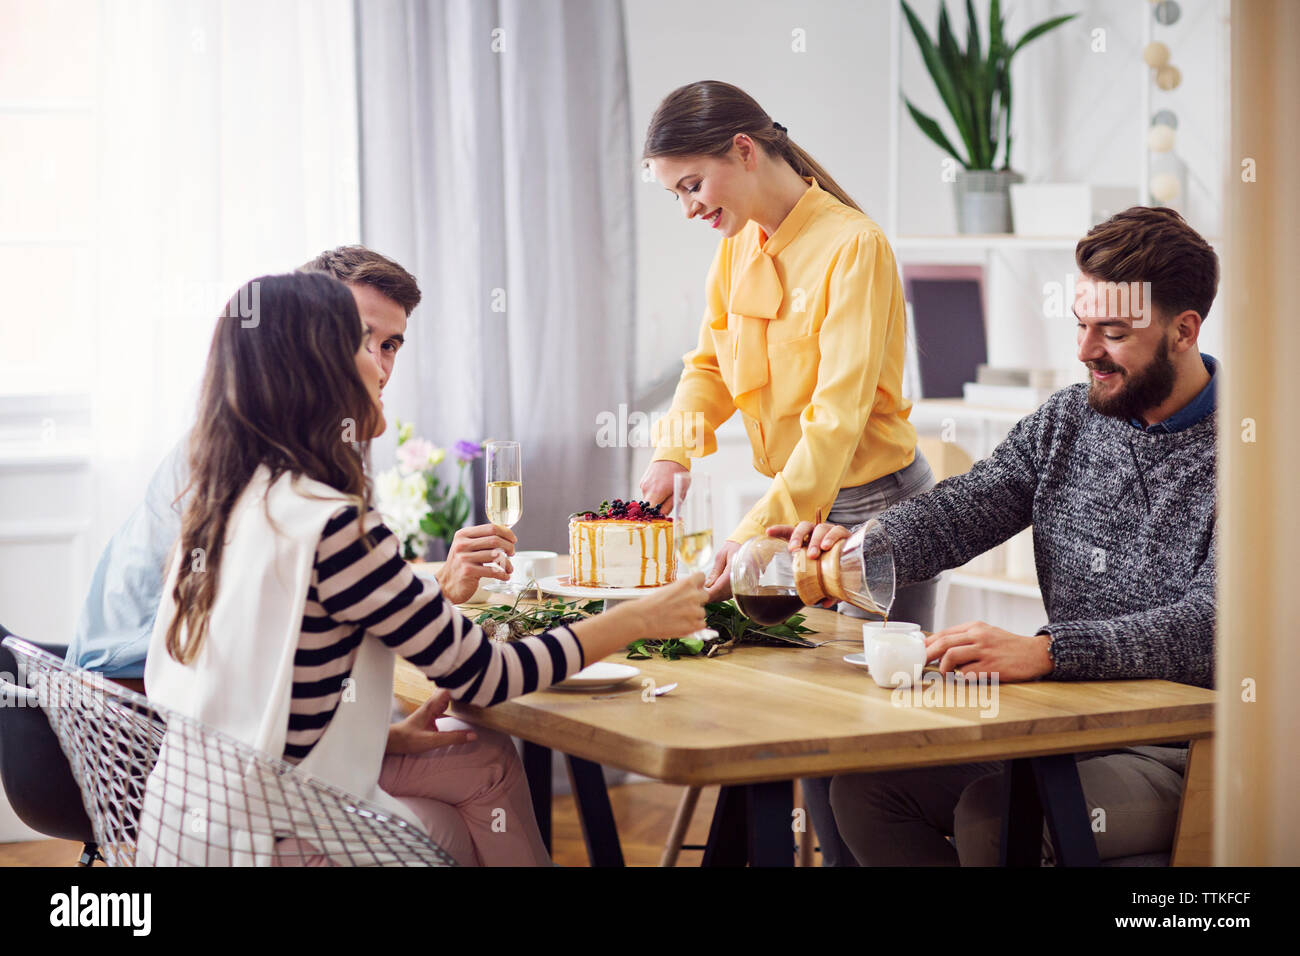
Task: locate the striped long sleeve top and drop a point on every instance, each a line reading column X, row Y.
column 360, row 585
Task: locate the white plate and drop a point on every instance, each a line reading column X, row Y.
column 559, row 584
column 600, row 676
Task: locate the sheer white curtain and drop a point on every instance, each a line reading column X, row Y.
column 227, row 149
column 496, row 157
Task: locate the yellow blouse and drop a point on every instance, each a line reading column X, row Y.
column 803, row 333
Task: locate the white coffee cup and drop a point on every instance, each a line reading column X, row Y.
column 895, row 652
column 532, row 566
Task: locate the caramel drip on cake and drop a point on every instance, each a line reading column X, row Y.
column 642, row 532
column 645, row 562
column 655, row 536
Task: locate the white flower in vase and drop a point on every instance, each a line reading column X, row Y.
column 400, row 498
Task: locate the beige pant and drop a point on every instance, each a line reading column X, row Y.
column 472, row 798
column 904, row 818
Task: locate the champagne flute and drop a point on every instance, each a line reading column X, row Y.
column 505, row 490
column 693, row 529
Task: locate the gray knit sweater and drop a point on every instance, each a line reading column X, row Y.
column 1123, row 537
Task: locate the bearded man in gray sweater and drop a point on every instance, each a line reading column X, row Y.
column 1117, row 477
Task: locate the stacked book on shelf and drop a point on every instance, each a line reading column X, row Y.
column 1021, row 388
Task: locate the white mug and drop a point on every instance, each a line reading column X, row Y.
column 532, row 565
column 895, row 652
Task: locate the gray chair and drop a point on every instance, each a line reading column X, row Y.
column 37, row 780
column 163, row 789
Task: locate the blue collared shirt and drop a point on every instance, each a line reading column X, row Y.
column 116, row 621
column 1191, row 413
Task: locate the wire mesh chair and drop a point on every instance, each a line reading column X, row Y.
column 164, row 789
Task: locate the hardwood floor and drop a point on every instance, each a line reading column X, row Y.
column 40, row 853
column 644, row 812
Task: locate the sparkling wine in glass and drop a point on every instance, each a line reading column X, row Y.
column 505, row 488
column 693, row 528
column 692, row 522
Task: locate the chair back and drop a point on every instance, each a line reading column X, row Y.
column 33, row 770
column 164, row 789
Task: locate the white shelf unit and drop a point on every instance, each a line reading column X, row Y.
column 980, row 243
column 998, row 583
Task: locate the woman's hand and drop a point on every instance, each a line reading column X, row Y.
column 419, row 732
column 657, row 484
column 472, row 549
column 719, row 579
column 672, row 611
column 816, row 540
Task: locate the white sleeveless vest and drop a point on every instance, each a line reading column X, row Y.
column 241, row 685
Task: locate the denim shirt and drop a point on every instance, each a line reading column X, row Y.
column 1191, row 413
column 117, row 619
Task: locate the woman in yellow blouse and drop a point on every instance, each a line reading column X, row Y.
column 803, row 332
column 804, row 326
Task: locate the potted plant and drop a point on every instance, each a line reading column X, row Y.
column 975, row 86
column 424, row 512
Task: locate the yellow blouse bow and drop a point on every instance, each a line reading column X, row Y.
column 755, row 300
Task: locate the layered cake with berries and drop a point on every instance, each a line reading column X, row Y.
column 624, row 544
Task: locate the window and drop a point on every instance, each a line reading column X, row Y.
column 48, row 194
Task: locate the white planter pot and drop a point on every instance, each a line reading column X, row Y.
column 983, row 200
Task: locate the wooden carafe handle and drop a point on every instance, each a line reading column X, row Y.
column 817, row 580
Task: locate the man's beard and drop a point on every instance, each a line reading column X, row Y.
column 1137, row 391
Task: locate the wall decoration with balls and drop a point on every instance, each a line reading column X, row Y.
column 1166, row 171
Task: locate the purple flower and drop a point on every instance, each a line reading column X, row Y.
column 467, row 451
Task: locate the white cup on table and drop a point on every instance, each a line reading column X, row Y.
column 532, row 566
column 895, row 652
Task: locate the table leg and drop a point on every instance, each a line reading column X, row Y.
column 1045, row 786
column 595, row 814
column 728, row 837
column 1068, row 823
column 537, row 770
column 808, row 839
column 751, row 824
column 771, row 836
column 1022, row 817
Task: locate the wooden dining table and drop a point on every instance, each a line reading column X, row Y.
column 754, row 718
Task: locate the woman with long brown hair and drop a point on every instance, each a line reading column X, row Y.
column 803, row 333
column 287, row 600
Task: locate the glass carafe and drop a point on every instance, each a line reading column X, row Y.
column 770, row 584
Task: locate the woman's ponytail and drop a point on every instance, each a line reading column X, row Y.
column 805, row 165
